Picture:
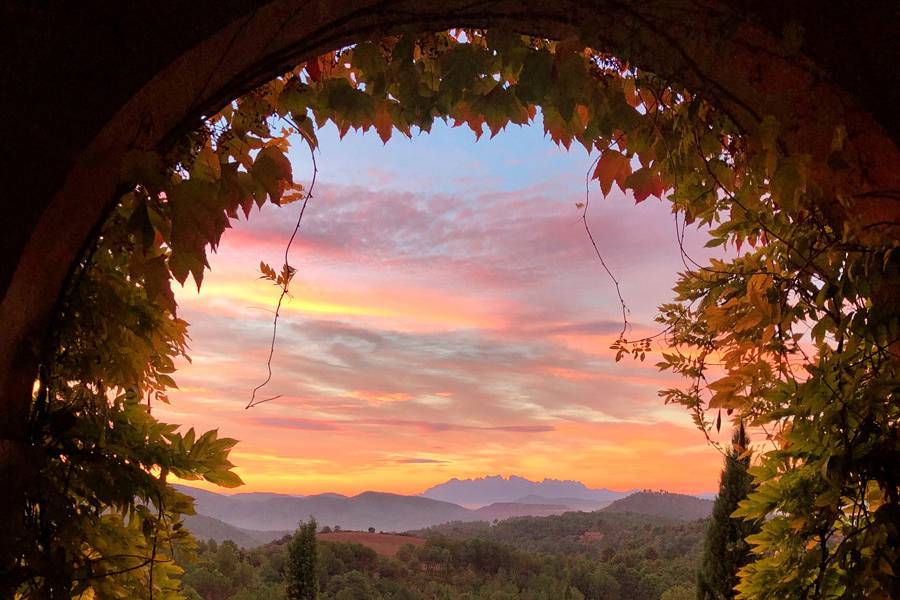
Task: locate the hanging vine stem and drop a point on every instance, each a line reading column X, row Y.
column 587, row 228
column 289, row 271
column 626, row 324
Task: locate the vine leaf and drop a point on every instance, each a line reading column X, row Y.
column 267, row 272
column 383, row 123
column 197, row 221
column 644, row 183
column 272, row 170
column 314, row 70
column 613, row 166
column 157, row 283
column 536, row 77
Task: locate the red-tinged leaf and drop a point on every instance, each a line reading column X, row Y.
column 463, row 113
column 314, row 70
column 645, row 183
column 559, row 129
column 612, row 167
column 499, row 108
column 384, row 125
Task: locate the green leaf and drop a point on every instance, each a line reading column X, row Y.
column 272, row 170
column 461, row 67
column 536, row 78
column 197, row 221
column 226, row 479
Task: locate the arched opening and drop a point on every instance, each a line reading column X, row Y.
column 30, row 301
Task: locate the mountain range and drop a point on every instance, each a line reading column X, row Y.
column 496, row 488
column 250, row 519
column 274, row 514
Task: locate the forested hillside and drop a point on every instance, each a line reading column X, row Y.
column 594, row 534
column 576, row 556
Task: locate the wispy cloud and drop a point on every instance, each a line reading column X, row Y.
column 290, row 423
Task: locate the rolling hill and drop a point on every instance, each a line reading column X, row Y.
column 663, row 504
column 208, row 528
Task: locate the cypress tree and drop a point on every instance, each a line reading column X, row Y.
column 725, row 550
column 300, row 571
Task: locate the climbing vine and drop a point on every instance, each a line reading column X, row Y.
column 797, row 335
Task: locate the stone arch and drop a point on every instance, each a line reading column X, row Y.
column 83, row 85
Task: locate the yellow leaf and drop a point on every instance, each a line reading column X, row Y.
column 749, row 321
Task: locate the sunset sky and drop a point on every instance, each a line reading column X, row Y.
column 448, row 319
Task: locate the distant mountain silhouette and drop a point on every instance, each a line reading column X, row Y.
column 265, row 516
column 276, row 512
column 496, row 488
column 663, row 504
column 254, row 518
